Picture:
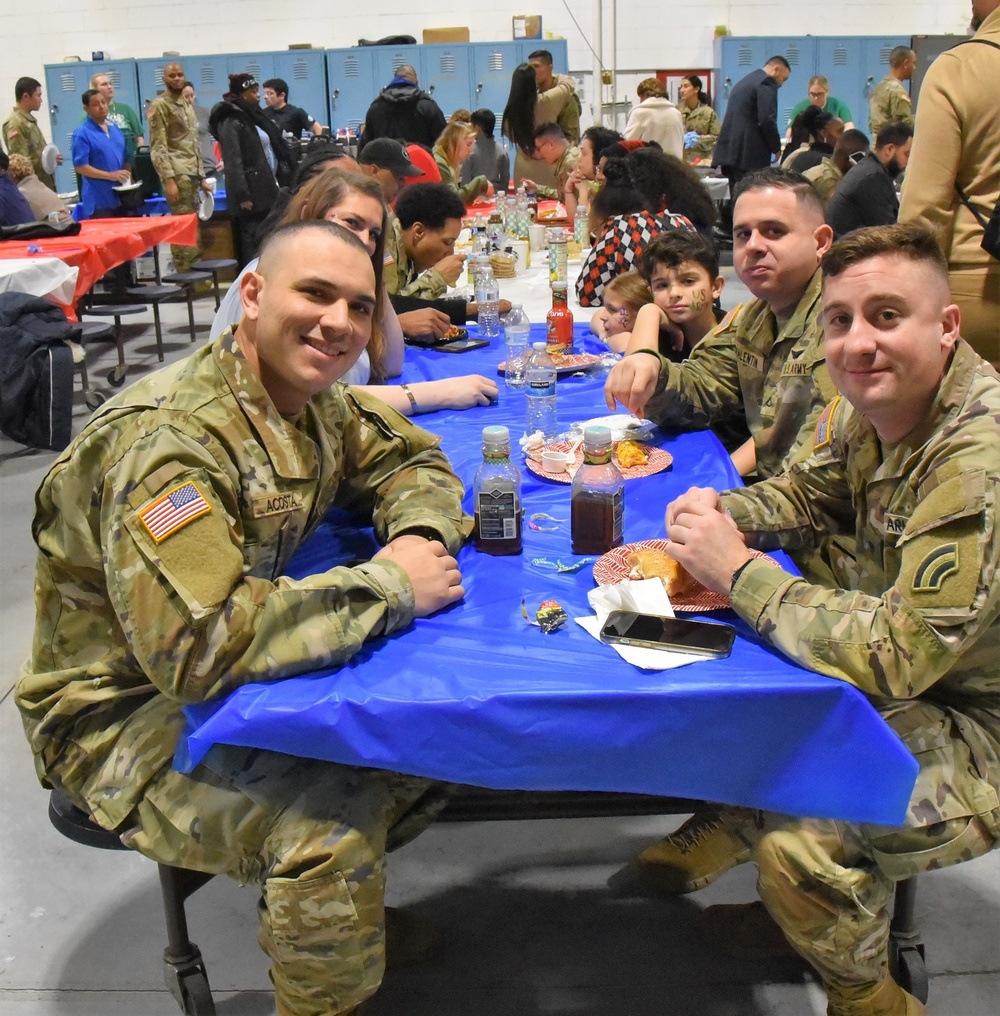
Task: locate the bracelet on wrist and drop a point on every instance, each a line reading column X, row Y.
column 413, row 399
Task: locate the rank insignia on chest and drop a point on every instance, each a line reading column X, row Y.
column 173, row 510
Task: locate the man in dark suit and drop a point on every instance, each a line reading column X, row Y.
column 749, row 135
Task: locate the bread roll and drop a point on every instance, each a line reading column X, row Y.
column 655, row 564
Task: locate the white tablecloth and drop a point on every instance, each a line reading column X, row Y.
column 49, row 278
column 531, row 290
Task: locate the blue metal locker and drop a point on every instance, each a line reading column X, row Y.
column 260, row 65
column 839, row 61
column 557, row 47
column 304, row 70
column 492, row 65
column 445, row 74
column 65, row 84
column 351, row 86
column 207, row 73
column 801, row 56
column 735, row 58
column 387, row 58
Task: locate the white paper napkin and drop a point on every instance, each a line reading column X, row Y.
column 645, row 596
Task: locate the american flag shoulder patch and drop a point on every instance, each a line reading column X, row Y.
column 173, row 511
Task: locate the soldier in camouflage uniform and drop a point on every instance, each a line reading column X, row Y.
column 21, row 133
column 772, row 374
column 699, row 118
column 176, row 156
column 890, row 101
column 164, row 532
column 907, row 461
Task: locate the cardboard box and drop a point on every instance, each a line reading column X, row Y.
column 446, row 34
column 527, row 26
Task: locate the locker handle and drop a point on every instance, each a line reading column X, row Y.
column 430, row 90
column 479, row 88
column 336, row 92
column 869, row 82
column 54, row 111
column 727, row 85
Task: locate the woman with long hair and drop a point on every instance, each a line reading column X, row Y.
column 453, row 147
column 355, row 202
column 701, row 125
column 668, row 183
column 814, row 133
column 526, row 109
column 624, row 224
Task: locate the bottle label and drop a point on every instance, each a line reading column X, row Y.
column 618, row 515
column 541, row 387
column 497, row 511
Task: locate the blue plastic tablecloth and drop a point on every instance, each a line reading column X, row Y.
column 474, row 695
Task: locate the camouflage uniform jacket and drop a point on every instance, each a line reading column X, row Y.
column 400, row 273
column 129, row 629
column 173, row 138
column 921, row 616
column 562, row 170
column 825, row 177
column 777, row 379
column 569, row 116
column 890, row 102
column 702, row 119
column 23, row 136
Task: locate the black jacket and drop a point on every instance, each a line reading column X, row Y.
column 866, row 197
column 749, row 135
column 36, row 372
column 402, row 110
column 248, row 176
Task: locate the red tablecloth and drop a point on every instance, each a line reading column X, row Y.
column 102, row 244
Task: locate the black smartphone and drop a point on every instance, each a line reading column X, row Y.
column 462, row 345
column 706, row 638
column 435, row 341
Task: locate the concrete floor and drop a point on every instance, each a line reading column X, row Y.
column 530, row 927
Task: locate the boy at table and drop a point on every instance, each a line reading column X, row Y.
column 164, row 531
column 906, row 461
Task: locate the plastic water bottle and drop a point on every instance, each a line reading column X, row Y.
column 540, row 392
column 522, row 214
column 488, row 299
column 581, row 227
column 517, row 329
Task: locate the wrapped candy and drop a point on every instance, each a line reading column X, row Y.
column 548, row 617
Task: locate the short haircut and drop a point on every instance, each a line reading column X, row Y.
column 550, row 131
column 485, row 120
column 293, row 229
column 431, row 204
column 854, row 137
column 902, row 239
column 279, row 86
column 672, row 249
column 99, row 74
column 600, row 138
column 782, row 179
column 541, row 54
column 88, row 95
column 895, row 133
column 778, row 60
column 25, row 86
column 632, row 289
column 899, row 56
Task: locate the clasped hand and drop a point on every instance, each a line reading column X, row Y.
column 432, row 571
column 704, row 538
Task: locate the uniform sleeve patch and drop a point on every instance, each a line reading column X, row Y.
column 727, row 320
column 173, row 511
column 823, row 434
column 933, row 569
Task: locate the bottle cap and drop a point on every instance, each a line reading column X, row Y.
column 557, row 284
column 496, row 437
column 597, row 437
column 539, row 347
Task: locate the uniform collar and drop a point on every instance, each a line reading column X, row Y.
column 291, row 451
column 802, row 318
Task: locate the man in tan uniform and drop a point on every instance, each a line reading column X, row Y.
column 890, row 101
column 905, row 461
column 957, row 144
column 176, row 156
column 554, row 149
column 568, row 117
column 21, row 133
column 164, row 534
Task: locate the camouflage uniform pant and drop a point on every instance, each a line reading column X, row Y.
column 314, row 834
column 187, row 201
column 829, row 884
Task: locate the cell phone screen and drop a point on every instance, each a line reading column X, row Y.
column 649, row 631
column 462, row 345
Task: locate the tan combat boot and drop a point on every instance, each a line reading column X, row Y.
column 691, row 858
column 888, row 999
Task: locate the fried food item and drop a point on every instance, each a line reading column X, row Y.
column 631, row 453
column 454, row 332
column 655, row 564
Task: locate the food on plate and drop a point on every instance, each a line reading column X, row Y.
column 631, row 453
column 655, row 564
column 454, row 332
